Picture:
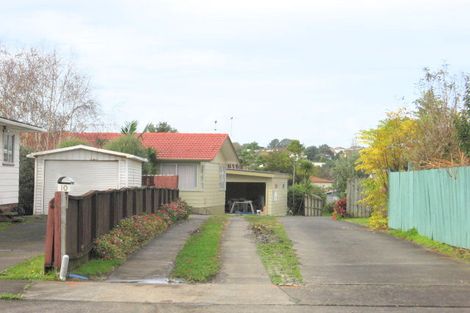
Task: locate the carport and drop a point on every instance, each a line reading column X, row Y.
column 266, row 190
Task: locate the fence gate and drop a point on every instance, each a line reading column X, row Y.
column 353, row 196
column 313, row 205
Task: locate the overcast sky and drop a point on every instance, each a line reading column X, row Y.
column 318, row 71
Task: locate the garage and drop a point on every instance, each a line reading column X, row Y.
column 266, row 191
column 90, row 168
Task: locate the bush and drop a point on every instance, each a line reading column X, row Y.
column 133, row 232
column 339, row 210
column 296, row 195
column 72, row 141
column 26, row 182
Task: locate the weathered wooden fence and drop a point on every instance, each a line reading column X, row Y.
column 313, row 205
column 435, row 202
column 74, row 222
column 353, row 196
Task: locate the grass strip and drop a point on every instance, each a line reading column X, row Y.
column 31, row 269
column 276, row 250
column 199, row 259
column 5, row 225
column 10, row 296
column 364, row 221
column 97, row 268
column 436, row 246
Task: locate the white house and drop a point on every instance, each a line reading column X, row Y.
column 90, row 168
column 10, row 160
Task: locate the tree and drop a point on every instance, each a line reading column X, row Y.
column 249, row 155
column 40, row 88
column 325, row 153
column 26, row 182
column 273, row 144
column 462, row 121
column 343, row 170
column 132, row 145
column 72, row 141
column 278, row 161
column 312, row 153
column 388, row 149
column 161, row 127
column 305, row 169
column 284, row 143
column 130, row 128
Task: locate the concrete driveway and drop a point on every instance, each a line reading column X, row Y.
column 348, row 265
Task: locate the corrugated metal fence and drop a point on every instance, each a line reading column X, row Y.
column 353, row 196
column 435, row 202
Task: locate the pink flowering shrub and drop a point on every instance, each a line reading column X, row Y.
column 133, row 232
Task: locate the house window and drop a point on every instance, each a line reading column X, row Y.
column 222, row 177
column 8, row 148
column 187, row 174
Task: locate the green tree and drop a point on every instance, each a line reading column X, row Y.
column 462, row 121
column 273, row 144
column 26, row 182
column 249, row 155
column 343, row 170
column 161, row 127
column 278, row 161
column 72, row 141
column 130, row 128
column 305, row 169
column 312, row 153
column 132, row 145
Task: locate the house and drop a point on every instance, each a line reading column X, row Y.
column 208, row 170
column 322, row 182
column 10, row 160
column 90, row 168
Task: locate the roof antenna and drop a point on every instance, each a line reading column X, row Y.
column 231, row 125
column 215, row 125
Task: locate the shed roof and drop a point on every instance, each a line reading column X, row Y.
column 20, row 125
column 87, row 148
column 257, row 173
column 173, row 146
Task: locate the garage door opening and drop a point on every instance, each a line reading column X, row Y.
column 242, row 192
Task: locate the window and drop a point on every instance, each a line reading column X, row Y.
column 186, row 172
column 8, row 148
column 222, row 177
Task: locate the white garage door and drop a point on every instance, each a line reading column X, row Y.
column 88, row 175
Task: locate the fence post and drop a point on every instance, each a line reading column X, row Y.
column 49, row 242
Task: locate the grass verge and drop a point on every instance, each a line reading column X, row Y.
column 10, row 296
column 97, row 268
column 436, row 246
column 5, row 225
column 199, row 259
column 364, row 221
column 276, row 250
column 31, row 269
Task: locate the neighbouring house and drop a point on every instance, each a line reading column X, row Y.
column 90, row 168
column 10, row 160
column 322, row 182
column 208, row 170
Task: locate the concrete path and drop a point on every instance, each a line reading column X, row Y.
column 21, row 241
column 346, row 264
column 156, row 259
column 240, row 262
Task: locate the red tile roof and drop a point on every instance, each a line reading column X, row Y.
column 319, row 180
column 172, row 146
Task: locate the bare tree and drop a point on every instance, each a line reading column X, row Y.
column 40, row 88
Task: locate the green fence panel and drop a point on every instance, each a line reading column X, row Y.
column 435, row 202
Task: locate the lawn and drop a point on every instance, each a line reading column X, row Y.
column 276, row 250
column 97, row 268
column 31, row 269
column 199, row 259
column 5, row 225
column 364, row 221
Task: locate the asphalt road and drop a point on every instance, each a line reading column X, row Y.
column 347, row 265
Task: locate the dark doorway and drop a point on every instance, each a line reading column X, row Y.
column 255, row 192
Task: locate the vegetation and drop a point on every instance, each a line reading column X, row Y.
column 161, row 127
column 31, row 269
column 364, row 221
column 72, row 141
column 339, row 209
column 4, row 226
column 131, row 144
column 96, row 268
column 26, row 182
column 276, row 250
column 132, row 233
column 436, row 246
column 344, row 169
column 199, row 259
column 297, row 193
column 10, row 296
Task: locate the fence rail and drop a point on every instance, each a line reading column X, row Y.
column 353, row 195
column 79, row 220
column 435, row 202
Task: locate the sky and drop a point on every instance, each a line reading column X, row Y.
column 317, row 71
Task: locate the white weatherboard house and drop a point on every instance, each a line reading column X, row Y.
column 10, row 160
column 90, row 168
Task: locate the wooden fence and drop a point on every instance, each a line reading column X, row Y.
column 73, row 224
column 313, row 205
column 353, row 196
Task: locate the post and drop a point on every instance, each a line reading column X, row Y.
column 63, row 225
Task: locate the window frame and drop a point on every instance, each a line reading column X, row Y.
column 9, row 142
column 176, row 165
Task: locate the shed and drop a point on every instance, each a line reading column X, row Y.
column 90, row 168
column 267, row 190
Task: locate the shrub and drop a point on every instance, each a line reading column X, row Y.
column 339, row 210
column 133, row 232
column 26, row 182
